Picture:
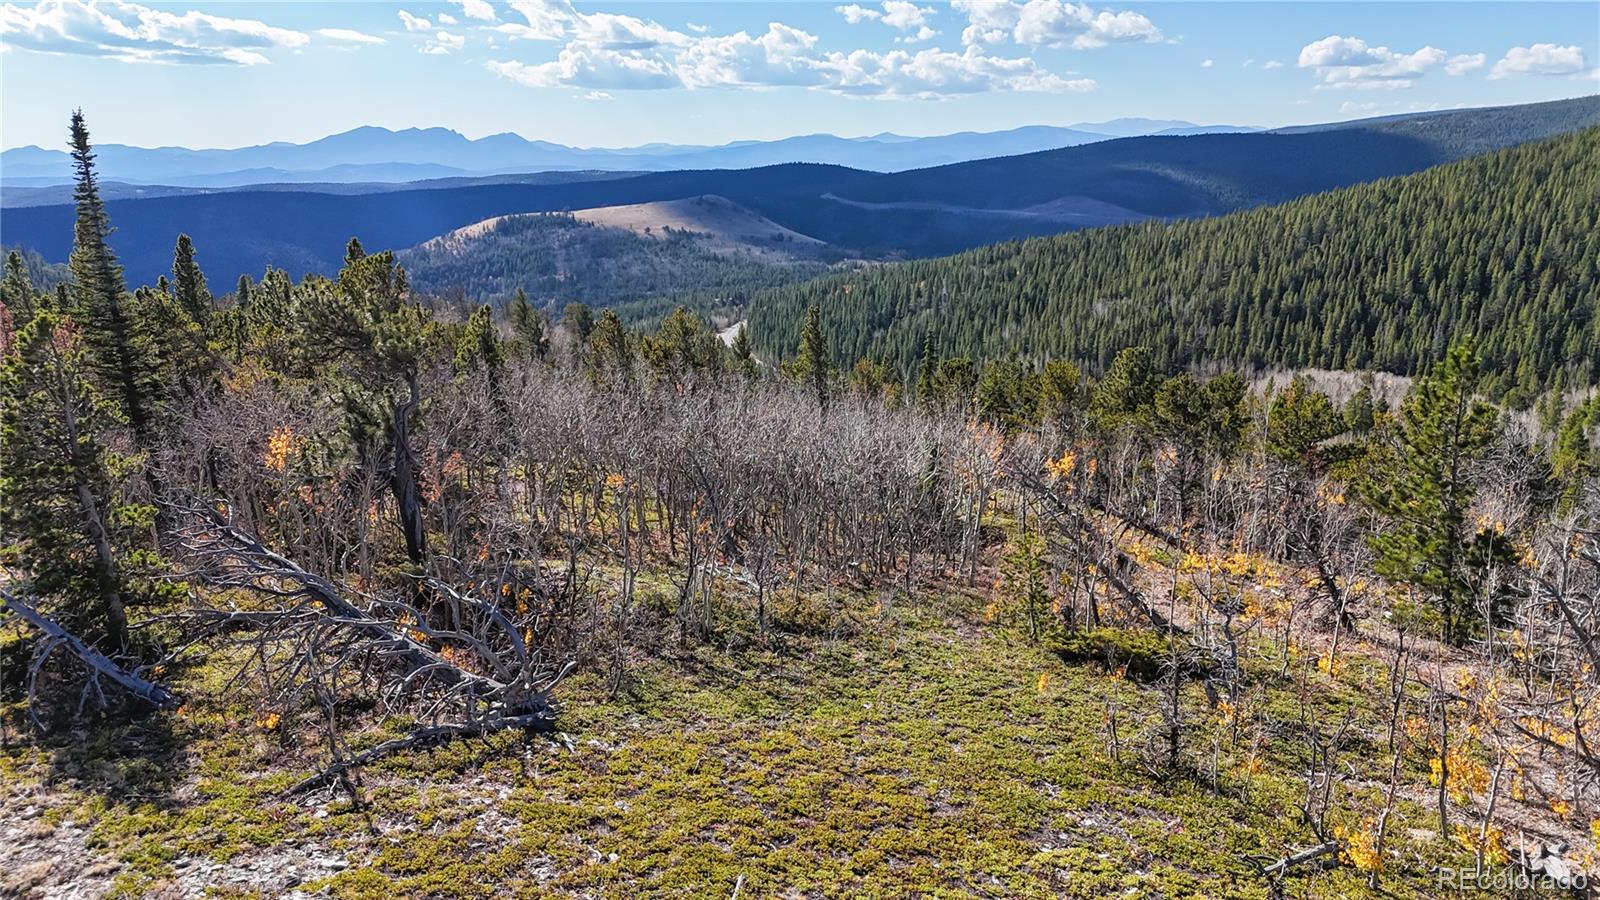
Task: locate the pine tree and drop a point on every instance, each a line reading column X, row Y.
column 813, row 367
column 1298, row 421
column 1421, row 483
column 121, row 349
column 1127, row 394
column 744, row 360
column 189, row 284
column 16, row 291
column 480, row 346
column 579, row 320
column 527, row 324
column 57, row 521
column 1359, row 411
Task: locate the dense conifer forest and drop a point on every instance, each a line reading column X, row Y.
column 1379, row 276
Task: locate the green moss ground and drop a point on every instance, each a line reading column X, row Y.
column 927, row 754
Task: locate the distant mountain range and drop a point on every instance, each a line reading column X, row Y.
column 856, row 213
column 372, row 154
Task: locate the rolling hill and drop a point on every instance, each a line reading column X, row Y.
column 1376, row 276
column 909, row 214
column 696, row 249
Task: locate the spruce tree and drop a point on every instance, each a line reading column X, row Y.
column 813, row 367
column 528, row 325
column 744, row 360
column 16, row 291
column 121, row 349
column 1421, row 483
column 57, row 521
column 189, row 284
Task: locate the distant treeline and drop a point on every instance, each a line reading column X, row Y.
column 1377, row 276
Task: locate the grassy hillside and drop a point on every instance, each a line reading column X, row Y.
column 1375, row 276
column 561, row 257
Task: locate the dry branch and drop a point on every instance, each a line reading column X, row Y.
column 98, row 663
column 421, row 739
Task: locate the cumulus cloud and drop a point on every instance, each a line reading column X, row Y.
column 445, row 19
column 607, row 52
column 902, row 15
column 414, row 23
column 1272, row 64
column 856, row 14
column 1539, row 59
column 941, row 73
column 1463, row 63
column 129, row 32
column 1206, row 64
column 475, row 9
column 351, row 35
column 584, row 66
column 1348, row 62
column 1051, row 23
column 443, row 43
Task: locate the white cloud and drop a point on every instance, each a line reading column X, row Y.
column 856, row 14
column 597, row 95
column 475, row 9
column 1051, row 23
column 1272, row 64
column 347, row 34
column 414, row 23
column 1463, row 63
column 132, row 33
column 1539, row 59
column 445, row 19
column 1348, row 62
column 938, row 73
column 1208, row 63
column 443, row 43
column 584, row 66
column 607, row 52
column 780, row 58
column 905, row 15
column 902, row 15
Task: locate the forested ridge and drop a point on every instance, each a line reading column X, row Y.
column 1377, row 276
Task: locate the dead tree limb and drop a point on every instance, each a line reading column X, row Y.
column 1310, row 854
column 421, row 739
column 98, row 663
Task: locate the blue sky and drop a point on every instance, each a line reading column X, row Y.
column 222, row 74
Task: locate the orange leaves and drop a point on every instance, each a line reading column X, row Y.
column 1063, row 467
column 281, row 446
column 1359, row 846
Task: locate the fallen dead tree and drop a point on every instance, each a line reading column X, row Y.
column 460, row 664
column 56, row 636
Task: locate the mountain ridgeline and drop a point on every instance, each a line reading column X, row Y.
column 917, row 213
column 1377, row 276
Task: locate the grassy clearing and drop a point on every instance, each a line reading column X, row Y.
column 925, row 752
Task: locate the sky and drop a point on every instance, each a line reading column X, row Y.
column 228, row 74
